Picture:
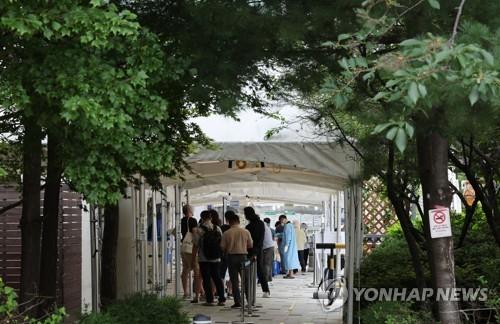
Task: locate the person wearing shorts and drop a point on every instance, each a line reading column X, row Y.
column 188, row 224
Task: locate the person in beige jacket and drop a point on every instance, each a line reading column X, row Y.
column 300, row 237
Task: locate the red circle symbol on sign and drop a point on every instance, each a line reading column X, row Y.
column 439, row 217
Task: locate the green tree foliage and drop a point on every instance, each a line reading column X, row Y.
column 91, row 78
column 93, row 74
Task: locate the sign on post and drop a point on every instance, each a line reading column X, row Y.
column 234, row 204
column 440, row 224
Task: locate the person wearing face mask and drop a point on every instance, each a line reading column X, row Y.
column 290, row 259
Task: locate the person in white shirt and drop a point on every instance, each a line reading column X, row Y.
column 300, row 237
column 268, row 252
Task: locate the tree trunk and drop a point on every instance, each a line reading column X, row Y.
column 108, row 260
column 406, row 225
column 433, row 171
column 48, row 266
column 30, row 219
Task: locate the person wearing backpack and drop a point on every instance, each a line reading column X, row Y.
column 207, row 247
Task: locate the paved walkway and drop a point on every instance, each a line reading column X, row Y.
column 290, row 303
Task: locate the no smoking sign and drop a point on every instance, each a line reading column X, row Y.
column 439, row 220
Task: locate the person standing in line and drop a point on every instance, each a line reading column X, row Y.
column 223, row 264
column 207, row 241
column 188, row 226
column 257, row 229
column 267, row 220
column 268, row 252
column 290, row 259
column 214, row 217
column 303, row 226
column 300, row 237
column 279, row 235
column 235, row 243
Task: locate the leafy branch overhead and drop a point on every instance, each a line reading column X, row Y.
column 410, row 77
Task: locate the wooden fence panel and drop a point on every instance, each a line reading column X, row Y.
column 69, row 245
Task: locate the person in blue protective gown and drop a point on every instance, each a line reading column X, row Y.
column 290, row 259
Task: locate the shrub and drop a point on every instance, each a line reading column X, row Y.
column 476, row 266
column 389, row 265
column 139, row 309
column 9, row 310
column 394, row 313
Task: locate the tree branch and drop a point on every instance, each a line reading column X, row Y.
column 455, row 25
column 457, row 192
column 345, row 137
column 469, row 212
column 11, row 206
column 16, row 204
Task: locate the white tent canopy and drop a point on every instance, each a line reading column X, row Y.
column 296, row 155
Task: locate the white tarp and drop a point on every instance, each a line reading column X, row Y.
column 296, row 155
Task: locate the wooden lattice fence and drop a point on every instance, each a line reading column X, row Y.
column 378, row 214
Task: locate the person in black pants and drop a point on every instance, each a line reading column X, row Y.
column 256, row 227
column 236, row 242
column 209, row 266
column 303, row 226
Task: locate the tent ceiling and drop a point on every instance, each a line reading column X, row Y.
column 261, row 192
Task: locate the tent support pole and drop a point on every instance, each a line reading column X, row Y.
column 154, row 238
column 134, row 230
column 350, row 252
column 94, row 260
column 143, row 237
column 178, row 198
column 338, row 258
column 163, row 244
column 332, row 213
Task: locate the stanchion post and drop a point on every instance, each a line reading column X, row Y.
column 250, row 289
column 254, row 283
column 190, row 283
column 315, row 258
column 243, row 291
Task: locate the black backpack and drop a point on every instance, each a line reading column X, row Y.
column 211, row 243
